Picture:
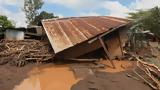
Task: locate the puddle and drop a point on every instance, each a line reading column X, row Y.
column 50, row 77
column 59, row 77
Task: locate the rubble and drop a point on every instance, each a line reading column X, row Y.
column 71, row 38
column 145, row 49
column 22, row 52
column 148, row 64
column 150, row 73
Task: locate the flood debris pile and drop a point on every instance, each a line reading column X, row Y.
column 148, row 63
column 149, row 73
column 19, row 53
column 144, row 47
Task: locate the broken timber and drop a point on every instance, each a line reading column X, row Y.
column 151, row 73
column 106, row 51
column 75, row 59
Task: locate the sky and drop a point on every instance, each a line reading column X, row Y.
column 76, row 8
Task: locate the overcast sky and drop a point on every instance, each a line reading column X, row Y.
column 70, row 8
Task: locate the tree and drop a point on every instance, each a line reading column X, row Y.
column 5, row 23
column 147, row 20
column 43, row 15
column 31, row 8
column 144, row 20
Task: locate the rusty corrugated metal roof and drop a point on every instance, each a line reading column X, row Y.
column 67, row 32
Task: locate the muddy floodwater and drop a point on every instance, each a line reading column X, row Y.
column 48, row 77
column 57, row 77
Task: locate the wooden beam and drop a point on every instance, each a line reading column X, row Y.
column 106, row 51
column 75, row 59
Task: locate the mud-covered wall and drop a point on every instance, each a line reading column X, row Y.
column 123, row 35
column 112, row 42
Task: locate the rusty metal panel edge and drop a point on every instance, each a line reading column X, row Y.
column 50, row 38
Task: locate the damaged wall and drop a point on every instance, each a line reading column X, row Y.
column 123, row 33
column 113, row 44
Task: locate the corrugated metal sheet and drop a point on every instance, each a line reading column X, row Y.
column 67, row 32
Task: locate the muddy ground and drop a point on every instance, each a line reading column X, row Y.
column 60, row 77
column 110, row 81
column 11, row 75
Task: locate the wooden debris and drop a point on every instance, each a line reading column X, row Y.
column 109, row 56
column 151, row 71
column 24, row 51
column 75, row 59
column 146, row 81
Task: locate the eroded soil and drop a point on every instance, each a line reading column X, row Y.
column 58, row 76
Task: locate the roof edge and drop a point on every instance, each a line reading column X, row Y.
column 53, row 19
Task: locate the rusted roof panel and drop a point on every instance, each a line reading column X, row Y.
column 67, row 32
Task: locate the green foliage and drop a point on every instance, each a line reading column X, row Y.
column 138, row 15
column 31, row 8
column 146, row 20
column 5, row 23
column 152, row 23
column 43, row 15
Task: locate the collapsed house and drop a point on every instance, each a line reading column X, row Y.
column 73, row 37
column 70, row 38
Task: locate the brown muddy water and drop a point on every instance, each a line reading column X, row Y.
column 57, row 77
column 48, row 77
